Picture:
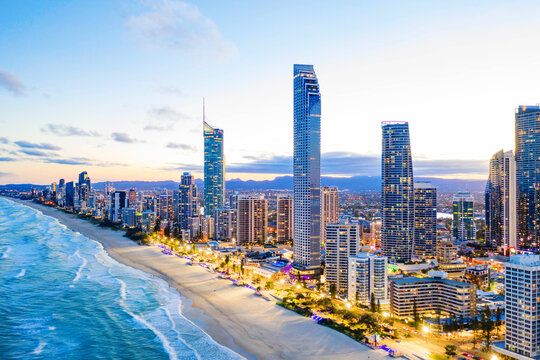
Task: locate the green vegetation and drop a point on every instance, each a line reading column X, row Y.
column 450, row 350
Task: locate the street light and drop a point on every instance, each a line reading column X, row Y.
column 494, row 357
column 348, row 305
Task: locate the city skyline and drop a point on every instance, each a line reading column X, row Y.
column 150, row 122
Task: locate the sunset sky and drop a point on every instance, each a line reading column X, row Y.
column 115, row 87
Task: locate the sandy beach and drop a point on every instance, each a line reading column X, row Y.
column 233, row 316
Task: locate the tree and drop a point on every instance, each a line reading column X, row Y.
column 378, row 306
column 167, row 230
column 486, row 324
column 269, row 284
column 242, row 268
column 372, row 305
column 498, row 315
column 474, row 327
column 450, row 350
column 416, row 317
column 333, row 290
column 175, row 231
column 157, row 226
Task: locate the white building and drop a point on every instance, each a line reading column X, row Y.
column 343, row 239
column 329, row 208
column 522, row 300
column 368, row 275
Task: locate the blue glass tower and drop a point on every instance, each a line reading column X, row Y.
column 528, row 175
column 397, row 192
column 307, row 170
column 425, row 220
column 214, row 169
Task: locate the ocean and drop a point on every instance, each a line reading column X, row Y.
column 63, row 297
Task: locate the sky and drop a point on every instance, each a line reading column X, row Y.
column 116, row 87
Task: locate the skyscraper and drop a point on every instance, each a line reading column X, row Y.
column 307, row 171
column 425, row 220
column 397, row 192
column 329, row 208
column 528, row 174
column 252, row 221
column 501, row 217
column 214, row 168
column 70, row 194
column 343, row 240
column 284, row 218
column 84, row 189
column 118, row 202
column 522, row 294
column 463, row 227
column 225, row 220
column 187, row 201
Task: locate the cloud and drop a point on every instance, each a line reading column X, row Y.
column 353, row 164
column 172, row 90
column 6, row 158
column 73, row 161
column 5, row 174
column 42, row 146
column 181, row 147
column 11, row 83
column 181, row 27
column 123, row 137
column 34, row 152
column 167, row 113
column 153, row 127
column 184, row 167
column 4, row 140
column 68, row 130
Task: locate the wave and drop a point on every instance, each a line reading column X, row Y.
column 163, row 339
column 20, row 274
column 79, row 272
column 39, row 348
column 5, row 252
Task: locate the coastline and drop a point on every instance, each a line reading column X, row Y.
column 233, row 316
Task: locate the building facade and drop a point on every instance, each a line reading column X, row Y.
column 343, row 240
column 368, row 276
column 522, row 306
column 397, row 236
column 252, row 220
column 501, row 201
column 425, row 220
column 214, row 169
column 307, row 170
column 284, row 218
column 329, row 208
column 463, row 227
column 225, row 220
column 432, row 294
column 118, row 202
column 187, row 201
column 528, row 175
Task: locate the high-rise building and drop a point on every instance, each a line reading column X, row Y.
column 343, row 239
column 132, row 197
column 522, row 301
column 329, row 208
column 85, row 188
column 307, row 171
column 284, row 218
column 61, row 193
column 214, row 168
column 528, row 175
column 233, row 200
column 118, row 202
column 252, row 220
column 463, row 227
column 425, row 220
column 368, row 275
column 187, row 201
column 375, row 233
column 70, row 194
column 165, row 207
column 397, row 192
column 501, row 217
column 225, row 220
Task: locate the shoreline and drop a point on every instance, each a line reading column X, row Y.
column 232, row 316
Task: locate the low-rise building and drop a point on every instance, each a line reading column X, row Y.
column 368, row 276
column 432, row 294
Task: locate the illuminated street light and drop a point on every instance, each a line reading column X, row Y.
column 348, row 305
column 425, row 329
column 494, row 357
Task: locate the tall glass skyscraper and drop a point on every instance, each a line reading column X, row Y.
column 500, row 198
column 307, row 170
column 425, row 220
column 528, row 174
column 463, row 227
column 397, row 192
column 214, row 169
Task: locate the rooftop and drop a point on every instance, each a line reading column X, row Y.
column 525, row 260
